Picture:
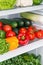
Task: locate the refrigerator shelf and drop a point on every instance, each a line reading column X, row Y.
column 40, row 12
column 20, row 10
column 21, row 50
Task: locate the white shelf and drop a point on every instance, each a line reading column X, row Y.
column 21, row 50
column 38, row 12
column 19, row 10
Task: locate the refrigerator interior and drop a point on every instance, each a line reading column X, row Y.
column 36, row 51
column 14, row 13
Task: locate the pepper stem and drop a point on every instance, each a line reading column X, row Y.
column 23, row 37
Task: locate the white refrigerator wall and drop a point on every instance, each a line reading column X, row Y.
column 40, row 51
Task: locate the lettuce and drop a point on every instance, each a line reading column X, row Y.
column 7, row 4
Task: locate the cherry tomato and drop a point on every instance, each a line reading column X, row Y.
column 1, row 24
column 39, row 34
column 23, row 30
column 10, row 34
column 31, row 29
column 7, row 28
column 31, row 36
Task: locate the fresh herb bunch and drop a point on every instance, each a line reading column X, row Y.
column 24, row 59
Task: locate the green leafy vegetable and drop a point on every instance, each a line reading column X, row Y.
column 7, row 4
column 2, row 34
column 4, row 47
column 24, row 59
column 37, row 2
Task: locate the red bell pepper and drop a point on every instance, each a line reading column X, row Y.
column 23, row 39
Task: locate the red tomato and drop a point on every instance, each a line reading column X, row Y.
column 31, row 36
column 10, row 34
column 1, row 24
column 23, row 30
column 31, row 29
column 39, row 34
column 7, row 28
column 1, row 28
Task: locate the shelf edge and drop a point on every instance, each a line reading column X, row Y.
column 20, row 10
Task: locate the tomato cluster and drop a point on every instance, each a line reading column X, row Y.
column 29, row 34
column 7, row 29
column 24, row 34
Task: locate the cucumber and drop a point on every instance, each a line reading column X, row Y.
column 17, row 22
column 14, row 24
column 27, row 22
column 20, row 23
column 5, row 21
column 16, row 30
column 9, row 22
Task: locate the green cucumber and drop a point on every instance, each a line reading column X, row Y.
column 16, row 30
column 17, row 22
column 9, row 22
column 14, row 24
column 20, row 23
column 27, row 22
column 5, row 21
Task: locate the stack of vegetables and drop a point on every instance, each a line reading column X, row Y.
column 8, row 4
column 28, row 2
column 24, row 59
column 17, row 32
